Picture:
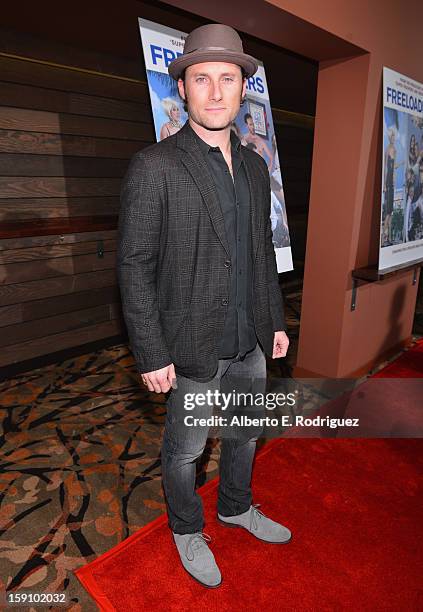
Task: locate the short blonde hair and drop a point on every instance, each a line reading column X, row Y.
column 168, row 104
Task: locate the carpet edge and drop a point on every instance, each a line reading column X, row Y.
column 85, row 573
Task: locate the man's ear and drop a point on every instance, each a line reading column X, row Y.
column 244, row 87
column 181, row 89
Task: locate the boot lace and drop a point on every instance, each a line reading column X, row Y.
column 256, row 516
column 196, row 542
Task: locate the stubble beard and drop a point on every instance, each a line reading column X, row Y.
column 209, row 125
column 215, row 125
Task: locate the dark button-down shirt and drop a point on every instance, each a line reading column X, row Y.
column 234, row 196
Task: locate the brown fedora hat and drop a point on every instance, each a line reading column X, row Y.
column 213, row 42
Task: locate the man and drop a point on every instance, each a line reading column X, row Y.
column 199, row 285
column 250, row 137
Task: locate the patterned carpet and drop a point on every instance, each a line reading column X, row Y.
column 80, row 467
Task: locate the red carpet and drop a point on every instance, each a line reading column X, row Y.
column 407, row 365
column 388, row 404
column 354, row 507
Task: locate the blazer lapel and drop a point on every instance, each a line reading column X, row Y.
column 198, row 169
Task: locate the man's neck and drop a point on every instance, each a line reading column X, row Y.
column 214, row 138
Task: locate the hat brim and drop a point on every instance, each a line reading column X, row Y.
column 178, row 65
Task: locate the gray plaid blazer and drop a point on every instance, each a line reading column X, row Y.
column 172, row 258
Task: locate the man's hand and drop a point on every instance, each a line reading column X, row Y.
column 159, row 381
column 280, row 344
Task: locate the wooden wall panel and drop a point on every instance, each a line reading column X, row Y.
column 66, row 138
column 47, row 99
column 56, row 250
column 49, row 165
column 72, row 80
column 25, row 120
column 51, row 306
column 21, row 332
column 58, row 285
column 23, row 209
column 19, row 273
column 56, row 342
column 70, row 238
column 65, row 225
column 16, row 141
column 53, row 187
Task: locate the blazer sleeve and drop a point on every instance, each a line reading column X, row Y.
column 139, row 228
column 275, row 293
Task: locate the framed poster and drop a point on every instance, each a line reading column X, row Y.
column 258, row 113
column 401, row 219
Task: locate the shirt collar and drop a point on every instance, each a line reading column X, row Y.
column 206, row 148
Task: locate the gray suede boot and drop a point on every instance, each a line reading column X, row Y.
column 197, row 558
column 259, row 525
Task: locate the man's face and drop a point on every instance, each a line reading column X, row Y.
column 213, row 92
column 250, row 125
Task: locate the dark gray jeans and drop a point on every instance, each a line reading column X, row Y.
column 183, row 444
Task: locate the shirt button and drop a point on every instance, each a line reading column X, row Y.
column 227, row 263
column 224, row 302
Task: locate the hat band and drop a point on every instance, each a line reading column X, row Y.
column 214, row 49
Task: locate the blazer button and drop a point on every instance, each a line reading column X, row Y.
column 227, row 263
column 224, row 302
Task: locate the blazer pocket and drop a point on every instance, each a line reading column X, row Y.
column 171, row 321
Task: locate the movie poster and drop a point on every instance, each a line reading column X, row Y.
column 401, row 231
column 253, row 125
